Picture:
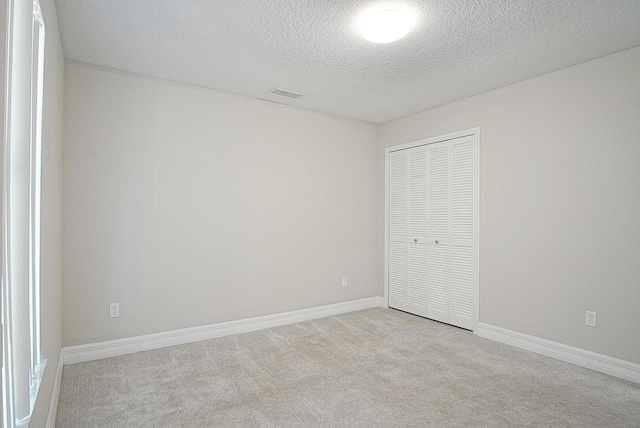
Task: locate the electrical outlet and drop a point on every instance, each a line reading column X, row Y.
column 591, row 319
column 344, row 281
column 114, row 310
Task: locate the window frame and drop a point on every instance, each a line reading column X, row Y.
column 35, row 200
column 22, row 194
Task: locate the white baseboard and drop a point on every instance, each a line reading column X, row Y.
column 113, row 348
column 580, row 357
column 55, row 397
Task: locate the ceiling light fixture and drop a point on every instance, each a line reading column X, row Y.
column 385, row 26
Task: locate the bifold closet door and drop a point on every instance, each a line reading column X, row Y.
column 438, row 182
column 451, row 227
column 407, row 231
column 432, row 231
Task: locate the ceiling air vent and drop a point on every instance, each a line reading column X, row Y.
column 285, row 93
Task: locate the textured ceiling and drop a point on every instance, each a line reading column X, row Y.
column 457, row 48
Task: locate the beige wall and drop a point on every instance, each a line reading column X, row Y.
column 559, row 201
column 190, row 207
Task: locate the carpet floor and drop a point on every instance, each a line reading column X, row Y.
column 371, row 368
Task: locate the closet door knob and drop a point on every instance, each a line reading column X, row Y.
column 437, row 242
column 415, row 240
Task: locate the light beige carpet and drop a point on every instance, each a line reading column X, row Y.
column 372, row 368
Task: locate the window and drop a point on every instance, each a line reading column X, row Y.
column 22, row 359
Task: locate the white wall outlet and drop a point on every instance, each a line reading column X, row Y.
column 114, row 310
column 344, row 281
column 591, row 319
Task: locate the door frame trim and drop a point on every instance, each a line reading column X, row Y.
column 473, row 132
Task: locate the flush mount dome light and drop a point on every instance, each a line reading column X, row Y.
column 385, row 26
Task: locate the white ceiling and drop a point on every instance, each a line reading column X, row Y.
column 458, row 48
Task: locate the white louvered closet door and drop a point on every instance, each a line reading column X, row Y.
column 417, row 242
column 398, row 219
column 407, row 231
column 438, row 231
column 432, row 230
column 451, row 232
column 462, row 232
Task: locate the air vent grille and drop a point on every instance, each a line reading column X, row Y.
column 284, row 93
